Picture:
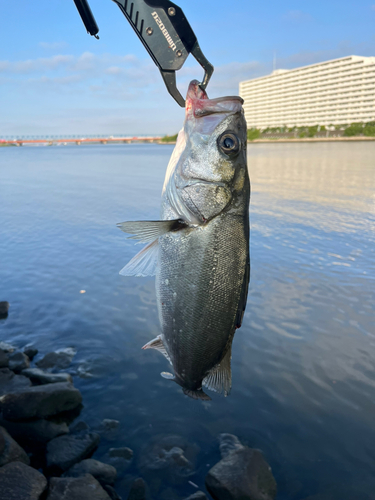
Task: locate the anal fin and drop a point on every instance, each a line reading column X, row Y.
column 219, row 378
column 157, row 344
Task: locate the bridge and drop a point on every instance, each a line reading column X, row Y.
column 50, row 141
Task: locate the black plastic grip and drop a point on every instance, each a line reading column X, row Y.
column 179, row 22
column 87, row 17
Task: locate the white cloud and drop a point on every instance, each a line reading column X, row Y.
column 34, row 65
column 108, row 93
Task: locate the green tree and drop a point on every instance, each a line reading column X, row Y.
column 312, row 131
column 253, row 133
column 369, row 130
column 169, row 138
column 354, row 129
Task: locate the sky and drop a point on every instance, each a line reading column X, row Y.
column 55, row 79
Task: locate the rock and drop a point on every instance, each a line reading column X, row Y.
column 228, row 443
column 242, row 473
column 4, row 359
column 10, row 451
column 4, row 308
column 38, row 376
column 104, row 473
column 40, row 401
column 199, row 495
column 120, row 458
column 10, row 383
column 60, row 359
column 166, row 459
column 18, row 362
column 80, row 488
column 30, row 352
column 111, row 492
column 110, row 424
column 4, row 346
column 79, row 427
column 34, row 431
column 21, row 482
column 65, row 451
column 124, row 452
column 138, row 490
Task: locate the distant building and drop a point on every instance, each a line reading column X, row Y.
column 334, row 92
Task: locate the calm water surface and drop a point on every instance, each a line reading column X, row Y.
column 303, row 361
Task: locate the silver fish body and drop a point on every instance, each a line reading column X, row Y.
column 203, row 264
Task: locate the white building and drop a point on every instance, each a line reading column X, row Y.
column 335, row 92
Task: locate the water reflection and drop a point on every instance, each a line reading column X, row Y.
column 303, row 361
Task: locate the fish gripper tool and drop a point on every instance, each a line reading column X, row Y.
column 165, row 32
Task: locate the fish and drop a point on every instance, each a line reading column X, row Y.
column 199, row 248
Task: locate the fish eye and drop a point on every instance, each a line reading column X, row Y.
column 229, row 143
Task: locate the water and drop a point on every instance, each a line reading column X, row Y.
column 303, row 361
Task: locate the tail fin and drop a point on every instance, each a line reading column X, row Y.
column 199, row 394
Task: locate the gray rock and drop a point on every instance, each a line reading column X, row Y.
column 110, row 424
column 242, row 474
column 4, row 308
column 40, row 401
column 60, row 359
column 65, row 451
column 34, row 431
column 4, row 346
column 121, row 459
column 229, row 443
column 4, row 359
column 199, row 495
column 10, row 383
column 111, row 492
column 80, row 488
column 30, row 352
column 10, row 451
column 104, row 473
column 18, row 362
column 21, row 482
column 168, row 459
column 38, row 376
column 79, row 427
column 167, row 453
column 124, row 452
column 138, row 490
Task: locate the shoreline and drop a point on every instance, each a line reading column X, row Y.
column 303, row 139
column 254, row 141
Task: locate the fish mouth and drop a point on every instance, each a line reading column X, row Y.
column 199, row 105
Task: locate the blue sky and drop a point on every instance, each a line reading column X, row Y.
column 56, row 79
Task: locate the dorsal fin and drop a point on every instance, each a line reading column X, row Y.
column 157, row 344
column 219, row 378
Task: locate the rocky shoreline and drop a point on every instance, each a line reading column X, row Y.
column 45, row 455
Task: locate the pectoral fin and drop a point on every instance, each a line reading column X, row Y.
column 146, row 231
column 220, row 377
column 144, row 263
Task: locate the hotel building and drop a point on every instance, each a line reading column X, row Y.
column 336, row 92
